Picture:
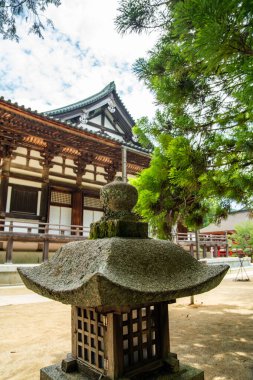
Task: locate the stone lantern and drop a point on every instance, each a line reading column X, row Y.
column 119, row 284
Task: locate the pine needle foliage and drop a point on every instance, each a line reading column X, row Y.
column 201, row 73
column 29, row 11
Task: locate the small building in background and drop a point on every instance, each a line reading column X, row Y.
column 227, row 226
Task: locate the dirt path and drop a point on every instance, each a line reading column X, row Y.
column 216, row 334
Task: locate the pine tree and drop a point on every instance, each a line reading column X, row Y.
column 200, row 72
column 28, row 10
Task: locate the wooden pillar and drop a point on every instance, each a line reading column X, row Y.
column 113, row 341
column 215, row 253
column 9, row 250
column 163, row 324
column 77, row 208
column 46, row 244
column 124, row 164
column 197, row 244
column 74, row 331
column 44, row 203
column 5, row 174
column 4, row 185
column 45, row 250
column 9, row 247
column 204, row 251
column 45, row 190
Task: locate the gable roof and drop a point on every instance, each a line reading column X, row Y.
column 91, row 100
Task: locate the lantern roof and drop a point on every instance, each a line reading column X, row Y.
column 117, row 272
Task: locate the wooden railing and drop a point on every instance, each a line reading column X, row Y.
column 190, row 238
column 35, row 231
column 17, row 227
column 199, row 244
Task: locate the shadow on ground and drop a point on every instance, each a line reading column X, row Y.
column 217, row 339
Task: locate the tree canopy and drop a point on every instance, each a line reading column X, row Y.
column 201, row 73
column 28, row 10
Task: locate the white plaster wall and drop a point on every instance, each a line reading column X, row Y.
column 100, row 178
column 91, row 185
column 69, row 162
column 89, row 176
column 62, row 180
column 69, row 171
column 58, row 159
column 35, row 153
column 21, row 150
column 19, row 160
column 56, row 169
column 21, row 171
column 96, row 120
column 100, row 169
column 24, row 182
column 109, row 125
column 90, row 167
column 35, row 164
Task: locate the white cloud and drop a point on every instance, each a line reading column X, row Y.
column 79, row 58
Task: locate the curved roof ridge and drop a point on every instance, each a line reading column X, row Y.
column 82, row 103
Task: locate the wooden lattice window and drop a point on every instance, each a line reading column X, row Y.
column 24, row 200
column 90, row 202
column 140, row 336
column 90, row 337
column 61, row 198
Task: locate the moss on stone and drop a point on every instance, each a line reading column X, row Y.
column 118, row 228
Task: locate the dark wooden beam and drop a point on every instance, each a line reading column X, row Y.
column 77, row 208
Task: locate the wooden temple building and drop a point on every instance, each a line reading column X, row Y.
column 54, row 163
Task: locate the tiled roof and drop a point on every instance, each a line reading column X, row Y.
column 107, row 90
column 75, row 126
column 85, row 102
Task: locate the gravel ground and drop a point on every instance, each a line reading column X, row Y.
column 215, row 334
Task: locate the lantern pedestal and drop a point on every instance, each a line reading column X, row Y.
column 54, row 372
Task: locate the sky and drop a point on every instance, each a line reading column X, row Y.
column 75, row 60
